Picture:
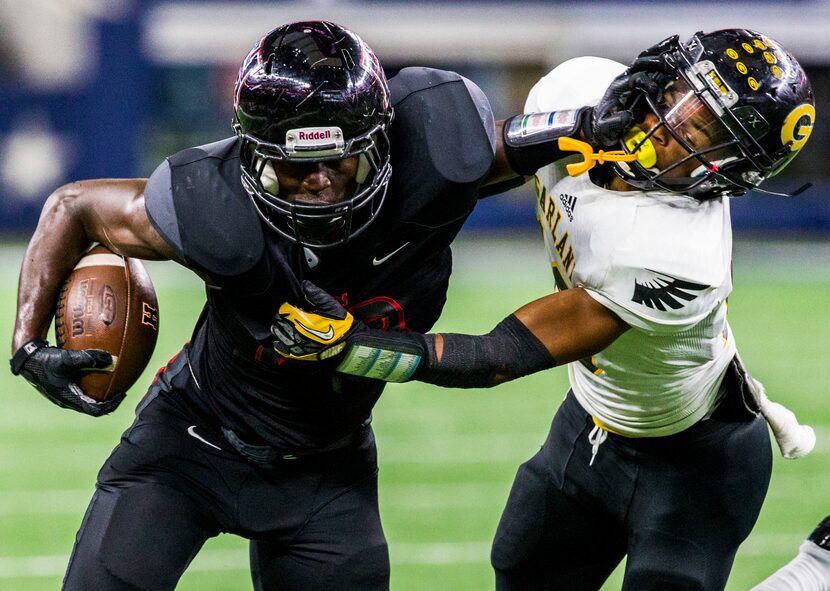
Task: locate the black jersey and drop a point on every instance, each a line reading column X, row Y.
column 393, row 276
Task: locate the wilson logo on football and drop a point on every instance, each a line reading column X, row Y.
column 79, row 310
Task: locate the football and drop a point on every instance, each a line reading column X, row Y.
column 108, row 302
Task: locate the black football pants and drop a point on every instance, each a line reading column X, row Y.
column 313, row 522
column 678, row 506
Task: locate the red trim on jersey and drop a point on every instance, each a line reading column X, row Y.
column 382, row 320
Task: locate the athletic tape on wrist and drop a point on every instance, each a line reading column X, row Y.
column 371, row 362
column 392, row 357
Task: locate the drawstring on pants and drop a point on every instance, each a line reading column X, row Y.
column 596, row 437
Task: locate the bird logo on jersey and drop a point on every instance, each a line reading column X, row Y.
column 664, row 290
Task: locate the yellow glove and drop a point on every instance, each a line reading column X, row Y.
column 331, row 331
column 312, row 336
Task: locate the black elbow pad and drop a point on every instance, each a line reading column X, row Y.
column 530, row 140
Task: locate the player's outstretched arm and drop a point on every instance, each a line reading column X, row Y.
column 527, row 142
column 109, row 211
column 553, row 330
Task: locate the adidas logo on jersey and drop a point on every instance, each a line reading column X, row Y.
column 569, row 204
column 663, row 291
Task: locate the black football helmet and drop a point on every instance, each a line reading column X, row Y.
column 309, row 92
column 736, row 101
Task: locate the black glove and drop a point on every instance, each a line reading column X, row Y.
column 50, row 370
column 656, row 58
column 605, row 124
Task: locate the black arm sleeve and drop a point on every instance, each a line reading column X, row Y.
column 507, row 352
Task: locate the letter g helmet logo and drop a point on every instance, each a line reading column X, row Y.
column 798, row 126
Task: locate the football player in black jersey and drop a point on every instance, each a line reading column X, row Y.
column 660, row 452
column 333, row 176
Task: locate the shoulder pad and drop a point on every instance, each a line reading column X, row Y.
column 410, row 80
column 219, row 229
column 439, row 129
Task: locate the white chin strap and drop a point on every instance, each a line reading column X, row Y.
column 271, row 183
column 269, row 179
column 363, row 169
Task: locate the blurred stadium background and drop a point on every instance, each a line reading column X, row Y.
column 108, row 88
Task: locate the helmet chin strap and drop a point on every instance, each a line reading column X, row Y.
column 269, row 179
column 363, row 169
column 701, row 170
column 798, row 191
column 716, row 164
column 271, row 183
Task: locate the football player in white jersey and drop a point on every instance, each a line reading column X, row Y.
column 660, row 451
column 809, row 570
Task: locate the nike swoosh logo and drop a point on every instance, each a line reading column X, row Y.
column 379, row 261
column 323, row 336
column 191, row 430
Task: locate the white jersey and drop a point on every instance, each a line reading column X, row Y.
column 660, row 261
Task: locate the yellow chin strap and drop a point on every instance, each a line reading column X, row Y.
column 645, row 154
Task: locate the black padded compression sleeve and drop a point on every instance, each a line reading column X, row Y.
column 507, row 352
column 531, row 140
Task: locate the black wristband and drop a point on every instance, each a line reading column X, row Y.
column 23, row 353
column 531, row 140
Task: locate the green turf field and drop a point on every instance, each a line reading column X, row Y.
column 447, row 457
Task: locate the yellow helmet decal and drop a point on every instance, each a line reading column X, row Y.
column 798, row 126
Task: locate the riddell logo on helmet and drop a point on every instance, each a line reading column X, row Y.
column 313, row 139
column 314, row 135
